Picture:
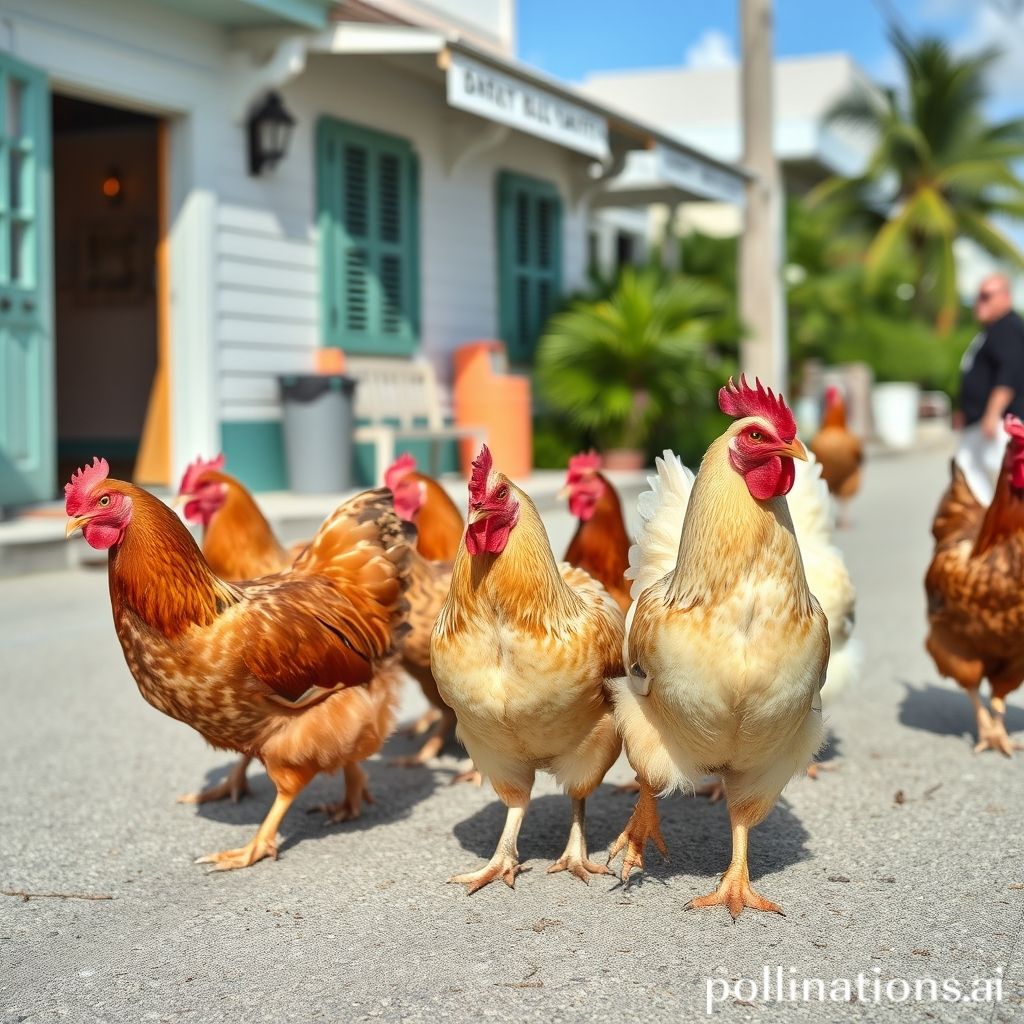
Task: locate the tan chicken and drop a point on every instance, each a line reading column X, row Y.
column 726, row 648
column 840, row 453
column 975, row 602
column 293, row 668
column 522, row 651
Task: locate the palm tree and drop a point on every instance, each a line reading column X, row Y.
column 939, row 171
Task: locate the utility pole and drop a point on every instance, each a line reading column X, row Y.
column 763, row 353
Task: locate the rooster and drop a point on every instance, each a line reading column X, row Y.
column 600, row 544
column 522, row 651
column 292, row 668
column 726, row 647
column 840, row 453
column 975, row 605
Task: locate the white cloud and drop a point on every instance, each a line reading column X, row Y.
column 1003, row 27
column 713, row 49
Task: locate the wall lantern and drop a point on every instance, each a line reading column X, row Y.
column 112, row 187
column 270, row 132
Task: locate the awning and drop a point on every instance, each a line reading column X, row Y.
column 654, row 166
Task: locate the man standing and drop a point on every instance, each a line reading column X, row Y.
column 991, row 385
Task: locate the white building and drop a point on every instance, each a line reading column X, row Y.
column 152, row 288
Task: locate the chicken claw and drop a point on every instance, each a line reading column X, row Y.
column 575, row 859
column 734, row 893
column 642, row 826
column 815, row 768
column 503, row 866
column 233, row 788
column 995, row 737
column 470, row 775
column 245, row 856
column 351, row 805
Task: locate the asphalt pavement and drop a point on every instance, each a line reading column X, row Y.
column 901, row 865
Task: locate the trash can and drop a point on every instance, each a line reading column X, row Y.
column 318, row 418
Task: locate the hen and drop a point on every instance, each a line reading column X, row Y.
column 427, row 505
column 239, row 544
column 522, row 651
column 840, row 453
column 600, row 545
column 975, row 603
column 291, row 668
column 726, row 647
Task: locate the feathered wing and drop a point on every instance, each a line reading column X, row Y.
column 662, row 511
column 813, row 513
column 428, row 588
column 959, row 514
column 340, row 610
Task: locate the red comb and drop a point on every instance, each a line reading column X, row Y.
column 401, row 467
column 745, row 400
column 481, row 471
column 1013, row 426
column 195, row 469
column 584, row 461
column 82, row 481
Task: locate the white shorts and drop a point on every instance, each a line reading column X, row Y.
column 980, row 458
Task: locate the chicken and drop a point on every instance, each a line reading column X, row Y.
column 238, row 543
column 840, row 453
column 600, row 544
column 522, row 651
column 726, row 648
column 293, row 668
column 427, row 505
column 975, row 603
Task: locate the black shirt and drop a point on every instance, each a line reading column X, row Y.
column 994, row 359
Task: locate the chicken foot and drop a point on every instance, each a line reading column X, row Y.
column 575, row 859
column 734, row 890
column 351, row 805
column 234, row 787
column 429, row 718
column 643, row 825
column 992, row 734
column 505, row 862
column 290, row 782
column 440, row 730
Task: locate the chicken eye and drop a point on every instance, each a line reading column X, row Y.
column 756, row 435
column 502, row 493
column 105, row 500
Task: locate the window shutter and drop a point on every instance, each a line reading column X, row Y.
column 529, row 260
column 368, row 212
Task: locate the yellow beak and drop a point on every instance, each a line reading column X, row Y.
column 75, row 524
column 795, row 450
column 180, row 500
column 563, row 494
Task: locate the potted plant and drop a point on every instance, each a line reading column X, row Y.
column 616, row 366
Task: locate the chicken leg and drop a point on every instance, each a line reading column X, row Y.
column 290, row 782
column 995, row 736
column 351, row 805
column 643, row 825
column 734, row 891
column 575, row 859
column 235, row 786
column 440, row 729
column 505, row 862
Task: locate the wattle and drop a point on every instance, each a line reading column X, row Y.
column 581, row 506
column 772, row 478
column 486, row 536
column 101, row 535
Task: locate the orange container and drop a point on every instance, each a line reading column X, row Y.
column 485, row 395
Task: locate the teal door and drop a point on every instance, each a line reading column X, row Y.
column 27, row 443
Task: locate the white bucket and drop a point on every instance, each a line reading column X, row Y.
column 895, row 412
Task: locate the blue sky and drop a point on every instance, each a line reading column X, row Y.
column 568, row 38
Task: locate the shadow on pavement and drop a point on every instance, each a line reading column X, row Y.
column 946, row 710
column 696, row 832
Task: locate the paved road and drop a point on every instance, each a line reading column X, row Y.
column 355, row 922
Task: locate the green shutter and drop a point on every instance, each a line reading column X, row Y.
column 529, row 260
column 367, row 196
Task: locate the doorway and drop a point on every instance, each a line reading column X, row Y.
column 109, row 285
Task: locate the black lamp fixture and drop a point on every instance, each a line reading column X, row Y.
column 270, row 131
